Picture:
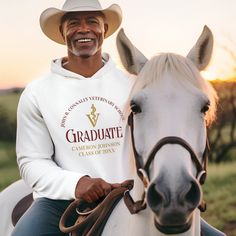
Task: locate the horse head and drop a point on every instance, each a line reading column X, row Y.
column 171, row 106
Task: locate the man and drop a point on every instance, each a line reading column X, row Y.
column 70, row 136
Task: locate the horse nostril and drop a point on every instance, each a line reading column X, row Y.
column 155, row 197
column 193, row 195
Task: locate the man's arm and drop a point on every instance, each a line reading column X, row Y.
column 35, row 151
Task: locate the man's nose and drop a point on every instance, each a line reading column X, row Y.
column 84, row 27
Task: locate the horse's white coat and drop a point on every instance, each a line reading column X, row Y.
column 9, row 197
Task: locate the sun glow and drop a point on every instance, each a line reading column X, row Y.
column 209, row 75
column 223, row 76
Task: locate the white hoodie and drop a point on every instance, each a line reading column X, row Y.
column 70, row 126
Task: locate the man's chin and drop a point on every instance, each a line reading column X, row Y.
column 83, row 52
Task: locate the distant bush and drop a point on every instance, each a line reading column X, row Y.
column 7, row 126
column 223, row 133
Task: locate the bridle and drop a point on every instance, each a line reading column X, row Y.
column 143, row 168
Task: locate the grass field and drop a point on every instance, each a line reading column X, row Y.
column 219, row 189
column 9, row 102
column 8, row 167
column 220, row 192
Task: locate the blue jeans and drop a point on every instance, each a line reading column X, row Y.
column 42, row 218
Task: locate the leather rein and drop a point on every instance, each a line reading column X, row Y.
column 143, row 168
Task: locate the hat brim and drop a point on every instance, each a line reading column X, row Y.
column 50, row 21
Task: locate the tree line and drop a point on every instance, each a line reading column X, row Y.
column 222, row 134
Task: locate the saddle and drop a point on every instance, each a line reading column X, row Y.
column 21, row 207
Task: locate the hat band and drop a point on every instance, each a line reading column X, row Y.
column 82, row 8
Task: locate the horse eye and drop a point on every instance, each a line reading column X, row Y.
column 205, row 108
column 135, row 108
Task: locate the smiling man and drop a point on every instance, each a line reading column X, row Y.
column 70, row 132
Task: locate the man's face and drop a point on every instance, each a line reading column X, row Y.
column 84, row 33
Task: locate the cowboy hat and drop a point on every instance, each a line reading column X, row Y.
column 50, row 19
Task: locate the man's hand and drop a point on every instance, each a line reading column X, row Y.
column 91, row 189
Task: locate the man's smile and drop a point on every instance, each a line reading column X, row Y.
column 84, row 40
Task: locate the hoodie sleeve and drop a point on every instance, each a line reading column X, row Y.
column 35, row 151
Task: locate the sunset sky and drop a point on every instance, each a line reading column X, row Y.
column 153, row 26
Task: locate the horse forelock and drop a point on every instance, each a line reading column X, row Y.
column 182, row 70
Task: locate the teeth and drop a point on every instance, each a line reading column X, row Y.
column 84, row 40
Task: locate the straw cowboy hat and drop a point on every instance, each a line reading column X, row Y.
column 50, row 19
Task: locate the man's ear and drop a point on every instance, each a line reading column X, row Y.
column 105, row 29
column 61, row 31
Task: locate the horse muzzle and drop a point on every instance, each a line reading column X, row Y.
column 173, row 207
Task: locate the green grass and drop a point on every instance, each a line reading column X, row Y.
column 10, row 102
column 219, row 193
column 8, row 167
column 8, row 175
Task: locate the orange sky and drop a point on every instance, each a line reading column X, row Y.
column 153, row 26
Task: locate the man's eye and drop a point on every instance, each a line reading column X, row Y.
column 72, row 23
column 135, row 108
column 92, row 21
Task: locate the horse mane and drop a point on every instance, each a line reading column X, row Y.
column 183, row 70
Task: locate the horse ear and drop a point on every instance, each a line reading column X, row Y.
column 132, row 59
column 201, row 53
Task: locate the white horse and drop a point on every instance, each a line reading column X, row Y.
column 171, row 105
